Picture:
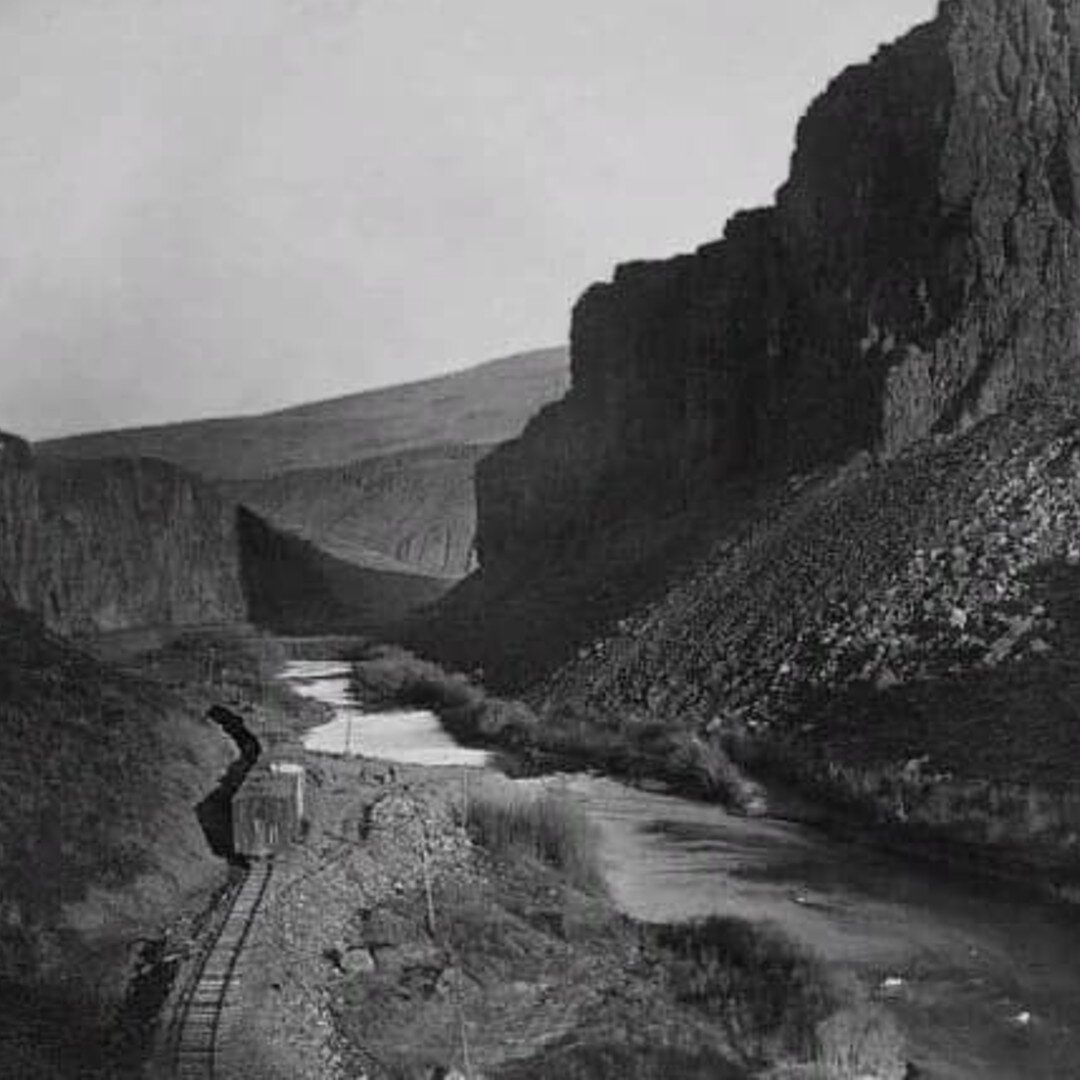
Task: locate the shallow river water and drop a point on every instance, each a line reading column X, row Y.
column 985, row 980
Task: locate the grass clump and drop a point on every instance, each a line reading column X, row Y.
column 782, row 1015
column 538, row 826
column 710, row 771
column 765, row 993
column 858, row 1041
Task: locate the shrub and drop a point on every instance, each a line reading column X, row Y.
column 394, row 676
column 859, row 1041
column 708, row 767
column 767, row 995
column 539, row 826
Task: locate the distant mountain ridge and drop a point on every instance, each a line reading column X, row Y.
column 481, row 405
column 381, row 479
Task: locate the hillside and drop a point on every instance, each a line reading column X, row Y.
column 382, row 480
column 294, row 587
column 902, row 636
column 481, row 405
column 917, row 273
column 90, row 868
column 813, row 495
column 92, row 546
column 406, row 512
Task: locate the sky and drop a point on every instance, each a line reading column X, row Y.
column 212, row 207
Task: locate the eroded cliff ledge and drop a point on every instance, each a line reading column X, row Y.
column 919, row 270
column 111, row 545
column 115, row 544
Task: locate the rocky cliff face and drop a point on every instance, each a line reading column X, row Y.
column 919, row 270
column 110, row 545
column 90, row 546
column 13, row 450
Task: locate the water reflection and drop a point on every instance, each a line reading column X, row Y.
column 412, row 736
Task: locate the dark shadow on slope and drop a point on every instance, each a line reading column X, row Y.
column 51, row 1034
column 408, row 513
column 215, row 811
column 292, row 587
column 520, row 627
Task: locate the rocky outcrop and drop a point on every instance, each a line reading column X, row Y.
column 918, row 271
column 92, row 546
column 111, row 545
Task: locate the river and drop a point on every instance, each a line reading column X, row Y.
column 984, row 980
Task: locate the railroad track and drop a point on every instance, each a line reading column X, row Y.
column 197, row 1024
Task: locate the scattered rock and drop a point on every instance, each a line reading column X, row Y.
column 357, row 961
column 418, row 954
column 385, row 927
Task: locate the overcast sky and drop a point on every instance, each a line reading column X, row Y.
column 219, row 206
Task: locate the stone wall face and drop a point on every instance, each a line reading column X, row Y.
column 919, row 271
column 111, row 545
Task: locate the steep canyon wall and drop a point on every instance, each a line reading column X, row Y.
column 113, row 544
column 98, row 546
column 918, row 271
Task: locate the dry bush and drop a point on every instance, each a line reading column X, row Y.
column 765, row 993
column 710, row 769
column 386, row 675
column 860, row 1041
column 539, row 826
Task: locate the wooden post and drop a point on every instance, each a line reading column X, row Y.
column 465, row 1056
column 427, row 881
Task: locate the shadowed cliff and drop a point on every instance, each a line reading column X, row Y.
column 918, row 271
column 814, row 496
column 92, row 546
column 99, row 843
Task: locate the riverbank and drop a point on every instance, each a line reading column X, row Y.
column 391, row 677
column 1024, row 834
column 403, row 938
column 1023, row 830
column 978, row 973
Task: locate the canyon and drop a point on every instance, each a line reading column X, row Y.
column 916, row 274
column 811, row 496
column 381, row 479
column 810, row 505
column 99, row 546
